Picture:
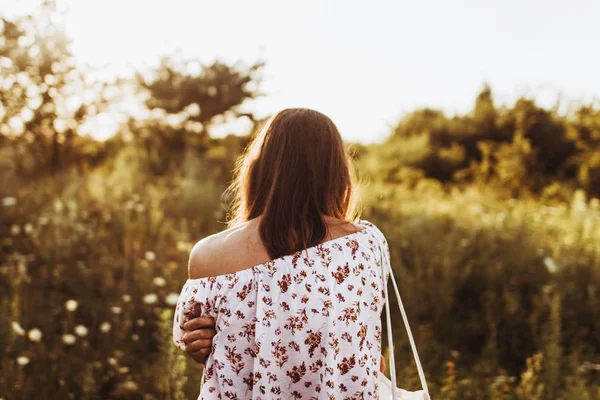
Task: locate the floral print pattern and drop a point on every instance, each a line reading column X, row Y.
column 302, row 326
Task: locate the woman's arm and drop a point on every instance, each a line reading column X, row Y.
column 198, row 332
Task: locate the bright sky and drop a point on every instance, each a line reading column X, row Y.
column 365, row 64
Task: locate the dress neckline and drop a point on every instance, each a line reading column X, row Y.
column 361, row 222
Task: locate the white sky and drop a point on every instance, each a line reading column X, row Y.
column 364, row 63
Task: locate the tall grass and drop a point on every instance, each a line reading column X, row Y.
column 502, row 296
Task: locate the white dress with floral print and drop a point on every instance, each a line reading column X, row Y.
column 302, row 326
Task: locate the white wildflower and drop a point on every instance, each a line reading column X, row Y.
column 18, row 329
column 35, row 335
column 172, row 299
column 131, row 386
column 135, row 337
column 550, row 265
column 43, row 220
column 9, row 201
column 112, row 361
column 71, row 305
column 139, row 207
column 116, row 310
column 150, row 256
column 140, row 322
column 105, row 327
column 81, row 330
column 123, row 370
column 159, row 281
column 22, row 360
column 69, row 339
column 150, row 298
column 126, row 298
column 15, row 230
column 28, row 228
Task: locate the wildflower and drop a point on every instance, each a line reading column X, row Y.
column 28, row 228
column 9, row 201
column 182, row 246
column 172, row 299
column 112, row 361
column 126, row 298
column 123, row 370
column 22, row 360
column 116, row 310
column 18, row 329
column 15, row 230
column 150, row 256
column 550, row 265
column 140, row 322
column 131, row 386
column 35, row 335
column 150, row 298
column 71, row 305
column 105, row 327
column 81, row 330
column 43, row 220
column 69, row 339
column 135, row 337
column 139, row 207
column 159, row 281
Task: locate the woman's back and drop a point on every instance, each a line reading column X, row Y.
column 302, row 326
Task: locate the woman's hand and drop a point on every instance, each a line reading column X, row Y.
column 198, row 337
column 382, row 365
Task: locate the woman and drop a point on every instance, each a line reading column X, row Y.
column 294, row 285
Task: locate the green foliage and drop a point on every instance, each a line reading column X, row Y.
column 517, row 150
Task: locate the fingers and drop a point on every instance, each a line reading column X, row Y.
column 200, row 355
column 382, row 365
column 199, row 323
column 199, row 334
column 198, row 345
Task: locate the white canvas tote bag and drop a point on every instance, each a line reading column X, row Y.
column 388, row 389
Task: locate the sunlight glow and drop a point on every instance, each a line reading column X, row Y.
column 363, row 66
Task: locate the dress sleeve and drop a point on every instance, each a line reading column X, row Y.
column 198, row 298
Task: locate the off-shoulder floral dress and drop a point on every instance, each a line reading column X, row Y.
column 302, row 326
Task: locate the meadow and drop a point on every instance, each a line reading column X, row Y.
column 493, row 221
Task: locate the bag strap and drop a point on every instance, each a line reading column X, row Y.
column 386, row 267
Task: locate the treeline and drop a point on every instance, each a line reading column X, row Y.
column 518, row 150
column 47, row 102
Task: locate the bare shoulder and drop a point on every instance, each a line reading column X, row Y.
column 210, row 256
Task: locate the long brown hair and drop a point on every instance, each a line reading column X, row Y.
column 295, row 171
